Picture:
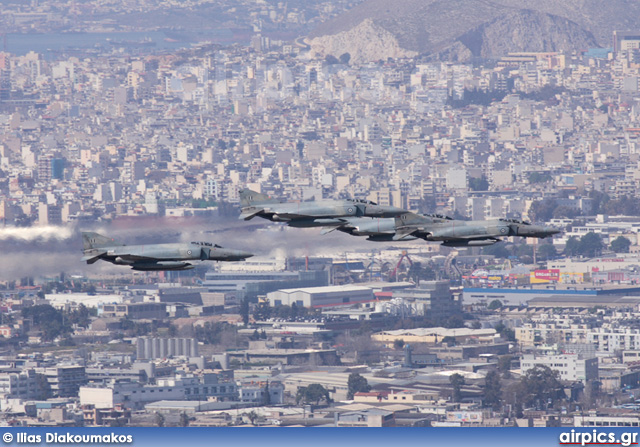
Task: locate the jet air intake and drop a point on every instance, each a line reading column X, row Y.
column 277, row 218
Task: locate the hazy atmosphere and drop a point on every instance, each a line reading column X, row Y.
column 325, row 213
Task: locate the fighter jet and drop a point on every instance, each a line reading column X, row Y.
column 318, row 213
column 461, row 233
column 379, row 229
column 155, row 256
column 436, row 227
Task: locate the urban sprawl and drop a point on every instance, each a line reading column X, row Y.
column 339, row 331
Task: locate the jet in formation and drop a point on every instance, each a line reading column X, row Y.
column 436, row 227
column 155, row 256
column 319, row 213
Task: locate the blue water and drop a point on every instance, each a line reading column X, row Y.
column 52, row 43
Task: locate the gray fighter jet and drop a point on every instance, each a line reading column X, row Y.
column 155, row 256
column 319, row 213
column 436, row 227
column 378, row 229
column 462, row 233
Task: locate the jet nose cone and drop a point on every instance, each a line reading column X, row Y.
column 551, row 230
column 544, row 232
column 241, row 255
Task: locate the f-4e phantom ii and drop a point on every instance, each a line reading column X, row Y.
column 155, row 256
column 435, row 227
column 318, row 213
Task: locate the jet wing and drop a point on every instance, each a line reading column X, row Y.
column 403, row 232
column 249, row 213
column 342, row 225
column 327, row 230
column 93, row 257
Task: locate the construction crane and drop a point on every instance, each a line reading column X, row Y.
column 404, row 256
column 370, row 267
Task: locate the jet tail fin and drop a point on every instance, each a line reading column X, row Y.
column 95, row 240
column 251, row 198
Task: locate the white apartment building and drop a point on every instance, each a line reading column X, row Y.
column 571, row 367
column 135, row 395
column 22, row 384
column 255, row 393
column 610, row 340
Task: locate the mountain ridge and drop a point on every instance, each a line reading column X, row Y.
column 462, row 29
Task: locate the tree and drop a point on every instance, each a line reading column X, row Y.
column 357, row 384
column 48, row 319
column 244, row 311
column 537, row 177
column 546, row 252
column 599, row 201
column 313, row 393
column 262, row 311
column 184, row 419
column 478, row 184
column 620, row 244
column 159, row 420
column 43, row 387
column 495, row 305
column 449, row 340
column 523, row 250
column 398, row 343
column 456, row 380
column 80, row 316
column 216, row 333
column 454, row 321
column 252, row 415
column 492, row 390
column 540, row 386
column 345, row 58
column 255, row 335
column 266, row 395
column 505, row 332
column 504, row 365
column 498, row 250
column 572, row 247
column 564, row 212
column 591, row 245
column 542, row 210
column 331, row 59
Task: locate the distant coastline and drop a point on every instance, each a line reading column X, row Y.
column 50, row 44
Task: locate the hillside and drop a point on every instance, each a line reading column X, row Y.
column 461, row 29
